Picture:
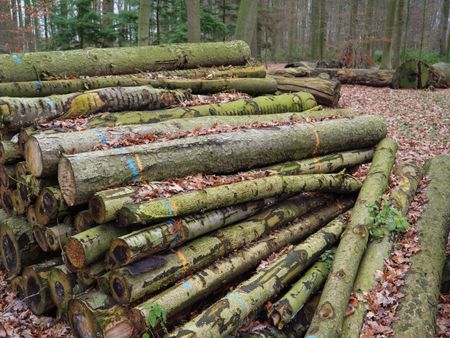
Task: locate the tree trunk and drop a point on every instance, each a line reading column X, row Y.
column 10, row 152
column 422, row 30
column 443, row 27
column 368, row 27
column 326, row 92
column 144, row 277
column 386, row 61
column 94, row 62
column 223, row 153
column 323, row 29
column 354, row 34
column 231, row 194
column 249, row 296
column 107, row 21
column 193, row 20
column 378, row 250
column 398, row 34
column 328, row 319
column 246, row 21
column 145, row 7
column 406, row 28
column 170, row 234
column 423, row 281
column 315, row 29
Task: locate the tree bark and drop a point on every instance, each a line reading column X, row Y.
column 145, row 7
column 246, row 21
column 398, row 34
column 378, row 250
column 386, row 61
column 224, row 317
column 10, row 152
column 323, row 29
column 231, row 194
column 223, row 153
column 417, row 310
column 328, row 319
column 193, row 20
column 155, row 272
column 97, row 61
column 443, row 27
column 315, row 29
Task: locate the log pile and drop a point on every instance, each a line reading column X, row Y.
column 123, row 221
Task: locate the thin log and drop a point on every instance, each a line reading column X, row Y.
column 83, row 220
column 10, row 152
column 58, row 235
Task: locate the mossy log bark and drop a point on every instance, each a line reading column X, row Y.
column 329, row 317
column 378, row 250
column 35, row 279
column 21, row 112
column 172, row 233
column 255, row 71
column 116, row 61
column 43, row 150
column 18, row 246
column 206, row 281
column 224, row 317
column 232, row 194
column 10, row 152
column 326, row 92
column 251, row 86
column 83, row 220
column 58, row 235
column 81, row 175
column 260, row 105
column 141, row 278
column 417, row 310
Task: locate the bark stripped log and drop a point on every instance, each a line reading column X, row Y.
column 260, row 105
column 10, row 152
column 43, row 150
column 81, row 175
column 327, row 321
column 115, row 61
column 224, row 317
column 141, row 278
column 378, row 250
column 232, row 194
column 417, row 310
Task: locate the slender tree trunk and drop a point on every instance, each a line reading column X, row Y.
column 323, row 29
column 107, row 21
column 246, row 20
column 443, row 28
column 398, row 34
column 144, row 22
column 422, row 30
column 368, row 31
column 315, row 32
column 193, row 20
column 406, row 28
column 292, row 46
column 354, row 30
column 386, row 61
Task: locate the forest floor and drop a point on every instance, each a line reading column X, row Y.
column 420, row 123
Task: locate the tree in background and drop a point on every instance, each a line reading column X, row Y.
column 386, row 61
column 193, row 20
column 443, row 25
column 246, row 21
column 315, row 32
column 323, row 29
column 397, row 45
column 144, row 22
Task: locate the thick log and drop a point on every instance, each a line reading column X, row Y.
column 10, row 152
column 18, row 246
column 116, row 61
column 83, row 220
column 35, row 279
column 43, row 150
column 170, row 234
column 50, row 205
column 257, row 106
column 179, row 297
column 18, row 113
column 417, row 310
column 232, row 194
column 224, row 317
column 58, row 235
column 326, row 92
column 255, row 71
column 378, row 250
column 81, row 175
column 89, row 275
column 327, row 321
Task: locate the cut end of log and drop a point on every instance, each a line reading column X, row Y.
column 97, row 209
column 49, row 203
column 4, row 176
column 81, row 320
column 7, row 201
column 124, row 217
column 17, row 287
column 39, row 235
column 60, row 288
column 10, row 252
column 34, row 291
column 119, row 289
column 119, row 252
column 75, row 253
column 52, row 240
column 66, row 180
column 83, row 221
column 31, row 216
column 33, row 157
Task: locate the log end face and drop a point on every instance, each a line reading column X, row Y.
column 119, row 252
column 75, row 253
column 119, row 289
column 9, row 252
column 33, row 157
column 97, row 209
column 80, row 319
column 34, row 292
column 66, row 180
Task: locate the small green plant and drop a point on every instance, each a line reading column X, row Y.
column 385, row 218
column 157, row 315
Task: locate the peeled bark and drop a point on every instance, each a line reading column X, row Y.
column 257, row 106
column 179, row 297
column 10, row 152
column 35, row 279
column 115, row 61
column 224, row 317
column 83, row 221
column 232, row 194
column 327, row 321
column 43, row 150
column 58, row 235
column 133, row 282
column 378, row 250
column 81, row 175
column 170, row 234
column 326, row 92
column 22, row 112
column 417, row 310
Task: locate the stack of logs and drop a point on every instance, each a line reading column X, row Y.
column 124, row 220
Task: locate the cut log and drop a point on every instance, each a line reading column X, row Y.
column 232, row 194
column 38, row 184
column 256, row 71
column 378, row 250
column 39, row 236
column 327, row 321
column 441, row 75
column 257, row 106
column 89, row 275
column 57, row 236
column 31, row 215
column 8, row 176
column 116, row 61
column 17, row 287
column 21, row 112
column 81, row 175
column 19, row 207
column 25, row 193
column 417, row 310
column 83, row 220
column 144, row 242
column 10, row 152
column 35, row 279
column 7, row 200
column 18, row 246
column 141, row 278
column 249, row 296
column 50, row 205
column 326, row 92
column 206, row 281
column 43, row 150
